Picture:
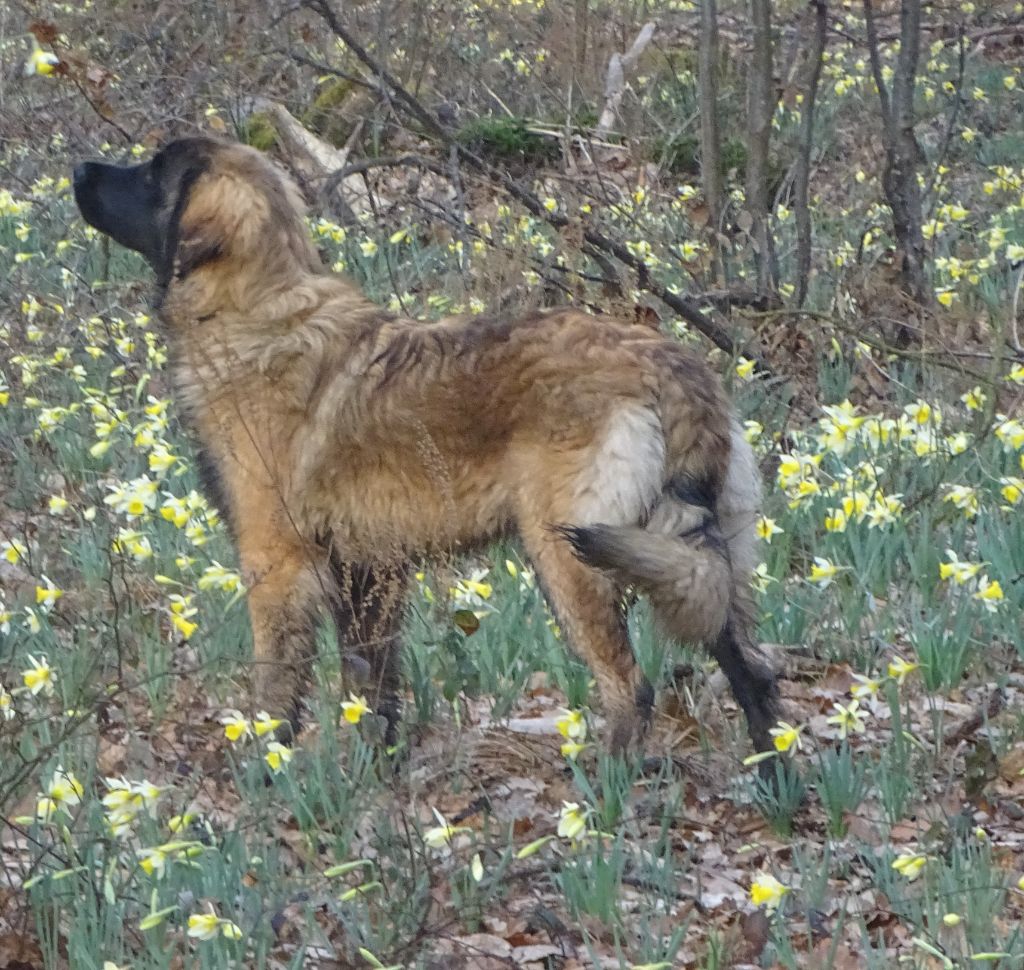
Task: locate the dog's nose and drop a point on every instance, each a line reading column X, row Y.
column 81, row 173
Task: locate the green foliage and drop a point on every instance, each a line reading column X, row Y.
column 503, row 139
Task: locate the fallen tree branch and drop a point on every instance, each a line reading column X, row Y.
column 615, row 81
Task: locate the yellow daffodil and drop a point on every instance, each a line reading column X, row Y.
column 958, row 570
column 277, row 756
column 572, row 725
column 974, row 399
column 766, row 528
column 47, row 595
column 441, row 835
column 64, row 788
column 41, row 62
column 767, row 891
column 153, row 862
column 13, row 550
column 866, row 687
column 1012, row 490
column 354, row 708
column 752, row 430
column 39, row 677
column 822, row 572
column 921, row 412
column 183, row 626
column 572, row 821
column 572, row 749
column 899, row 668
column 989, row 592
column 835, row 520
column 216, row 576
column 910, row 864
column 786, row 737
column 180, row 823
column 207, row 926
column 848, row 718
column 745, row 369
column 236, row 726
column 265, row 724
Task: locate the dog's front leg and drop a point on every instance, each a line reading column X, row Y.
column 367, row 604
column 286, row 579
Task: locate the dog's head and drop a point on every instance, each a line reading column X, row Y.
column 198, row 203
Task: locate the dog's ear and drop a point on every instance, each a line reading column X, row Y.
column 194, row 237
column 197, row 245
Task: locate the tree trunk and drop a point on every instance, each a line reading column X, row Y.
column 760, row 107
column 710, row 131
column 802, row 173
column 903, row 155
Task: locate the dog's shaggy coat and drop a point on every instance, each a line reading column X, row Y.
column 342, row 440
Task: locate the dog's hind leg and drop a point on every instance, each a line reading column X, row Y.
column 367, row 606
column 750, row 677
column 588, row 609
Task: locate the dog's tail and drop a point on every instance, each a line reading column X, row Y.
column 694, row 559
column 694, row 556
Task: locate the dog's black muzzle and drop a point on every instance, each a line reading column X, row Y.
column 122, row 202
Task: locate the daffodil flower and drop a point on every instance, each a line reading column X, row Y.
column 354, row 708
column 153, row 861
column 13, row 550
column 745, row 369
column 766, row 528
column 786, row 737
column 207, row 926
column 767, row 891
column 572, row 821
column 847, row 718
column 990, row 593
column 958, row 570
column 265, row 724
column 899, row 668
column 64, row 788
column 236, row 726
column 277, row 756
column 974, row 399
column 572, row 725
column 866, row 687
column 910, row 864
column 822, row 572
column 1012, row 490
column 39, row 677
column 41, row 62
column 441, row 835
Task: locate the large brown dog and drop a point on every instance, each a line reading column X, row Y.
column 344, row 440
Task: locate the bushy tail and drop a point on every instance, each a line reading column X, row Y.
column 694, row 559
column 679, row 559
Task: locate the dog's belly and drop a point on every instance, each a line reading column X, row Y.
column 376, row 506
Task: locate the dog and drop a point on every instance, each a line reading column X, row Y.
column 342, row 441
